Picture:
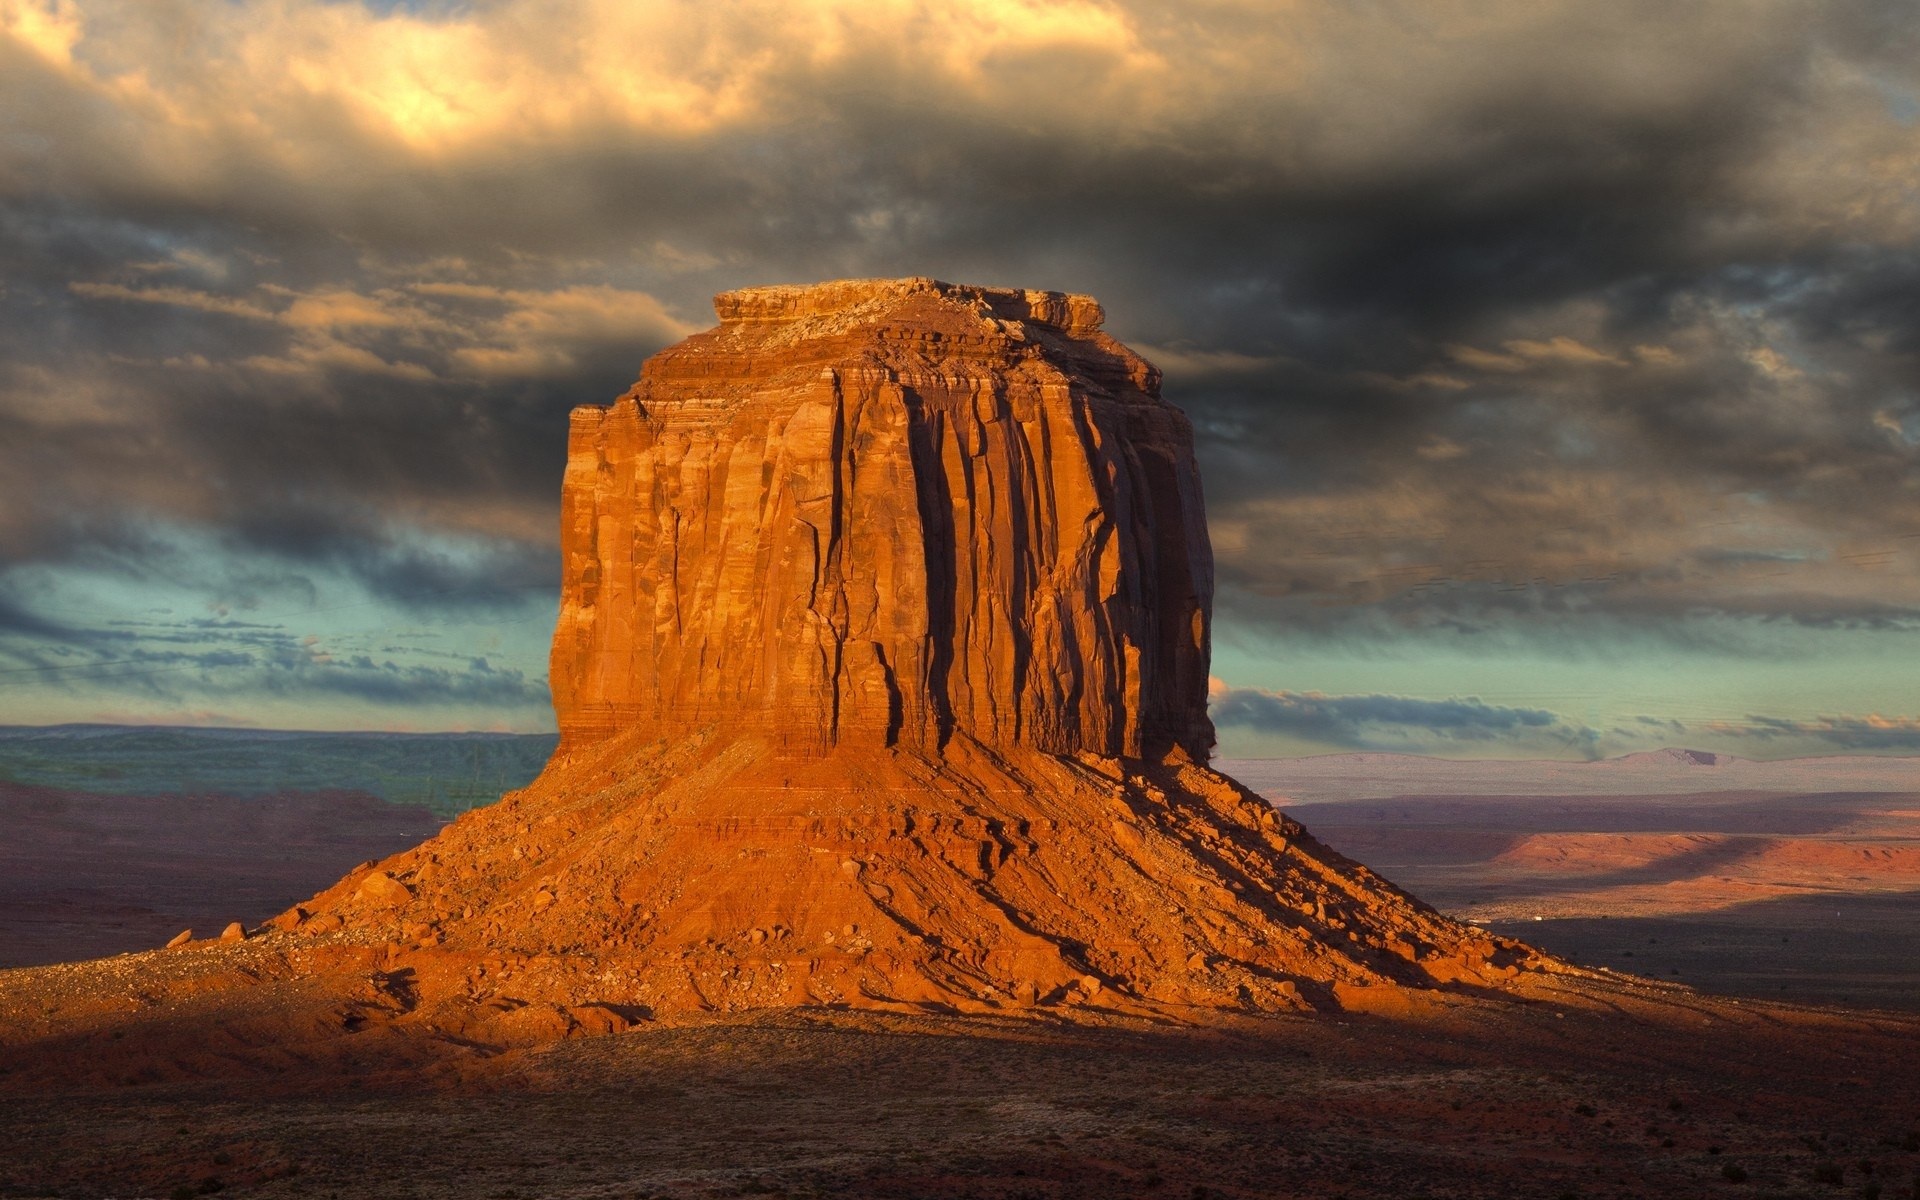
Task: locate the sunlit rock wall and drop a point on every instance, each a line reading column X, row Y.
column 877, row 513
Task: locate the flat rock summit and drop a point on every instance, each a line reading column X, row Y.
column 881, row 673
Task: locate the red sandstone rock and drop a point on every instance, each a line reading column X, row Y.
column 881, row 672
column 888, row 513
column 382, row 890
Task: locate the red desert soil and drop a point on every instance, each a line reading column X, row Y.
column 879, row 858
column 1592, row 1088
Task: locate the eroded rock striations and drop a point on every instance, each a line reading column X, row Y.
column 881, row 672
column 884, row 514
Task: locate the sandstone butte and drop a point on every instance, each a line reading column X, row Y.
column 881, row 672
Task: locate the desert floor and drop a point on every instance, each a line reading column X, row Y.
column 1594, row 1090
column 1603, row 1086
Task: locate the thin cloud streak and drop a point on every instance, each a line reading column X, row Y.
column 1467, row 725
column 1383, row 722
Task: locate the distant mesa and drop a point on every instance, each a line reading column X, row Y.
column 1684, row 758
column 881, row 674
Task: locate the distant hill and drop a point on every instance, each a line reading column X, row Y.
column 1672, row 757
column 447, row 772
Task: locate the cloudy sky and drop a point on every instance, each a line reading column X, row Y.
column 1556, row 365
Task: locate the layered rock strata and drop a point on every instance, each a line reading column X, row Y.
column 881, row 669
column 884, row 514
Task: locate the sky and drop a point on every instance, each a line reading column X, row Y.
column 1555, row 366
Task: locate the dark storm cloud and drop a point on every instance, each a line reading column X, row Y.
column 17, row 621
column 1490, row 316
column 362, row 430
column 387, row 683
column 437, row 574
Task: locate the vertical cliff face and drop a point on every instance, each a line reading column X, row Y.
column 881, row 513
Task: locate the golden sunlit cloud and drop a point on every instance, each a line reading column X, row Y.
column 449, row 82
column 48, row 28
column 1519, row 353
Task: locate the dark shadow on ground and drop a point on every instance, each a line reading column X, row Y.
column 1862, row 951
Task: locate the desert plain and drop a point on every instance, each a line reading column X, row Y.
column 1779, row 1061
